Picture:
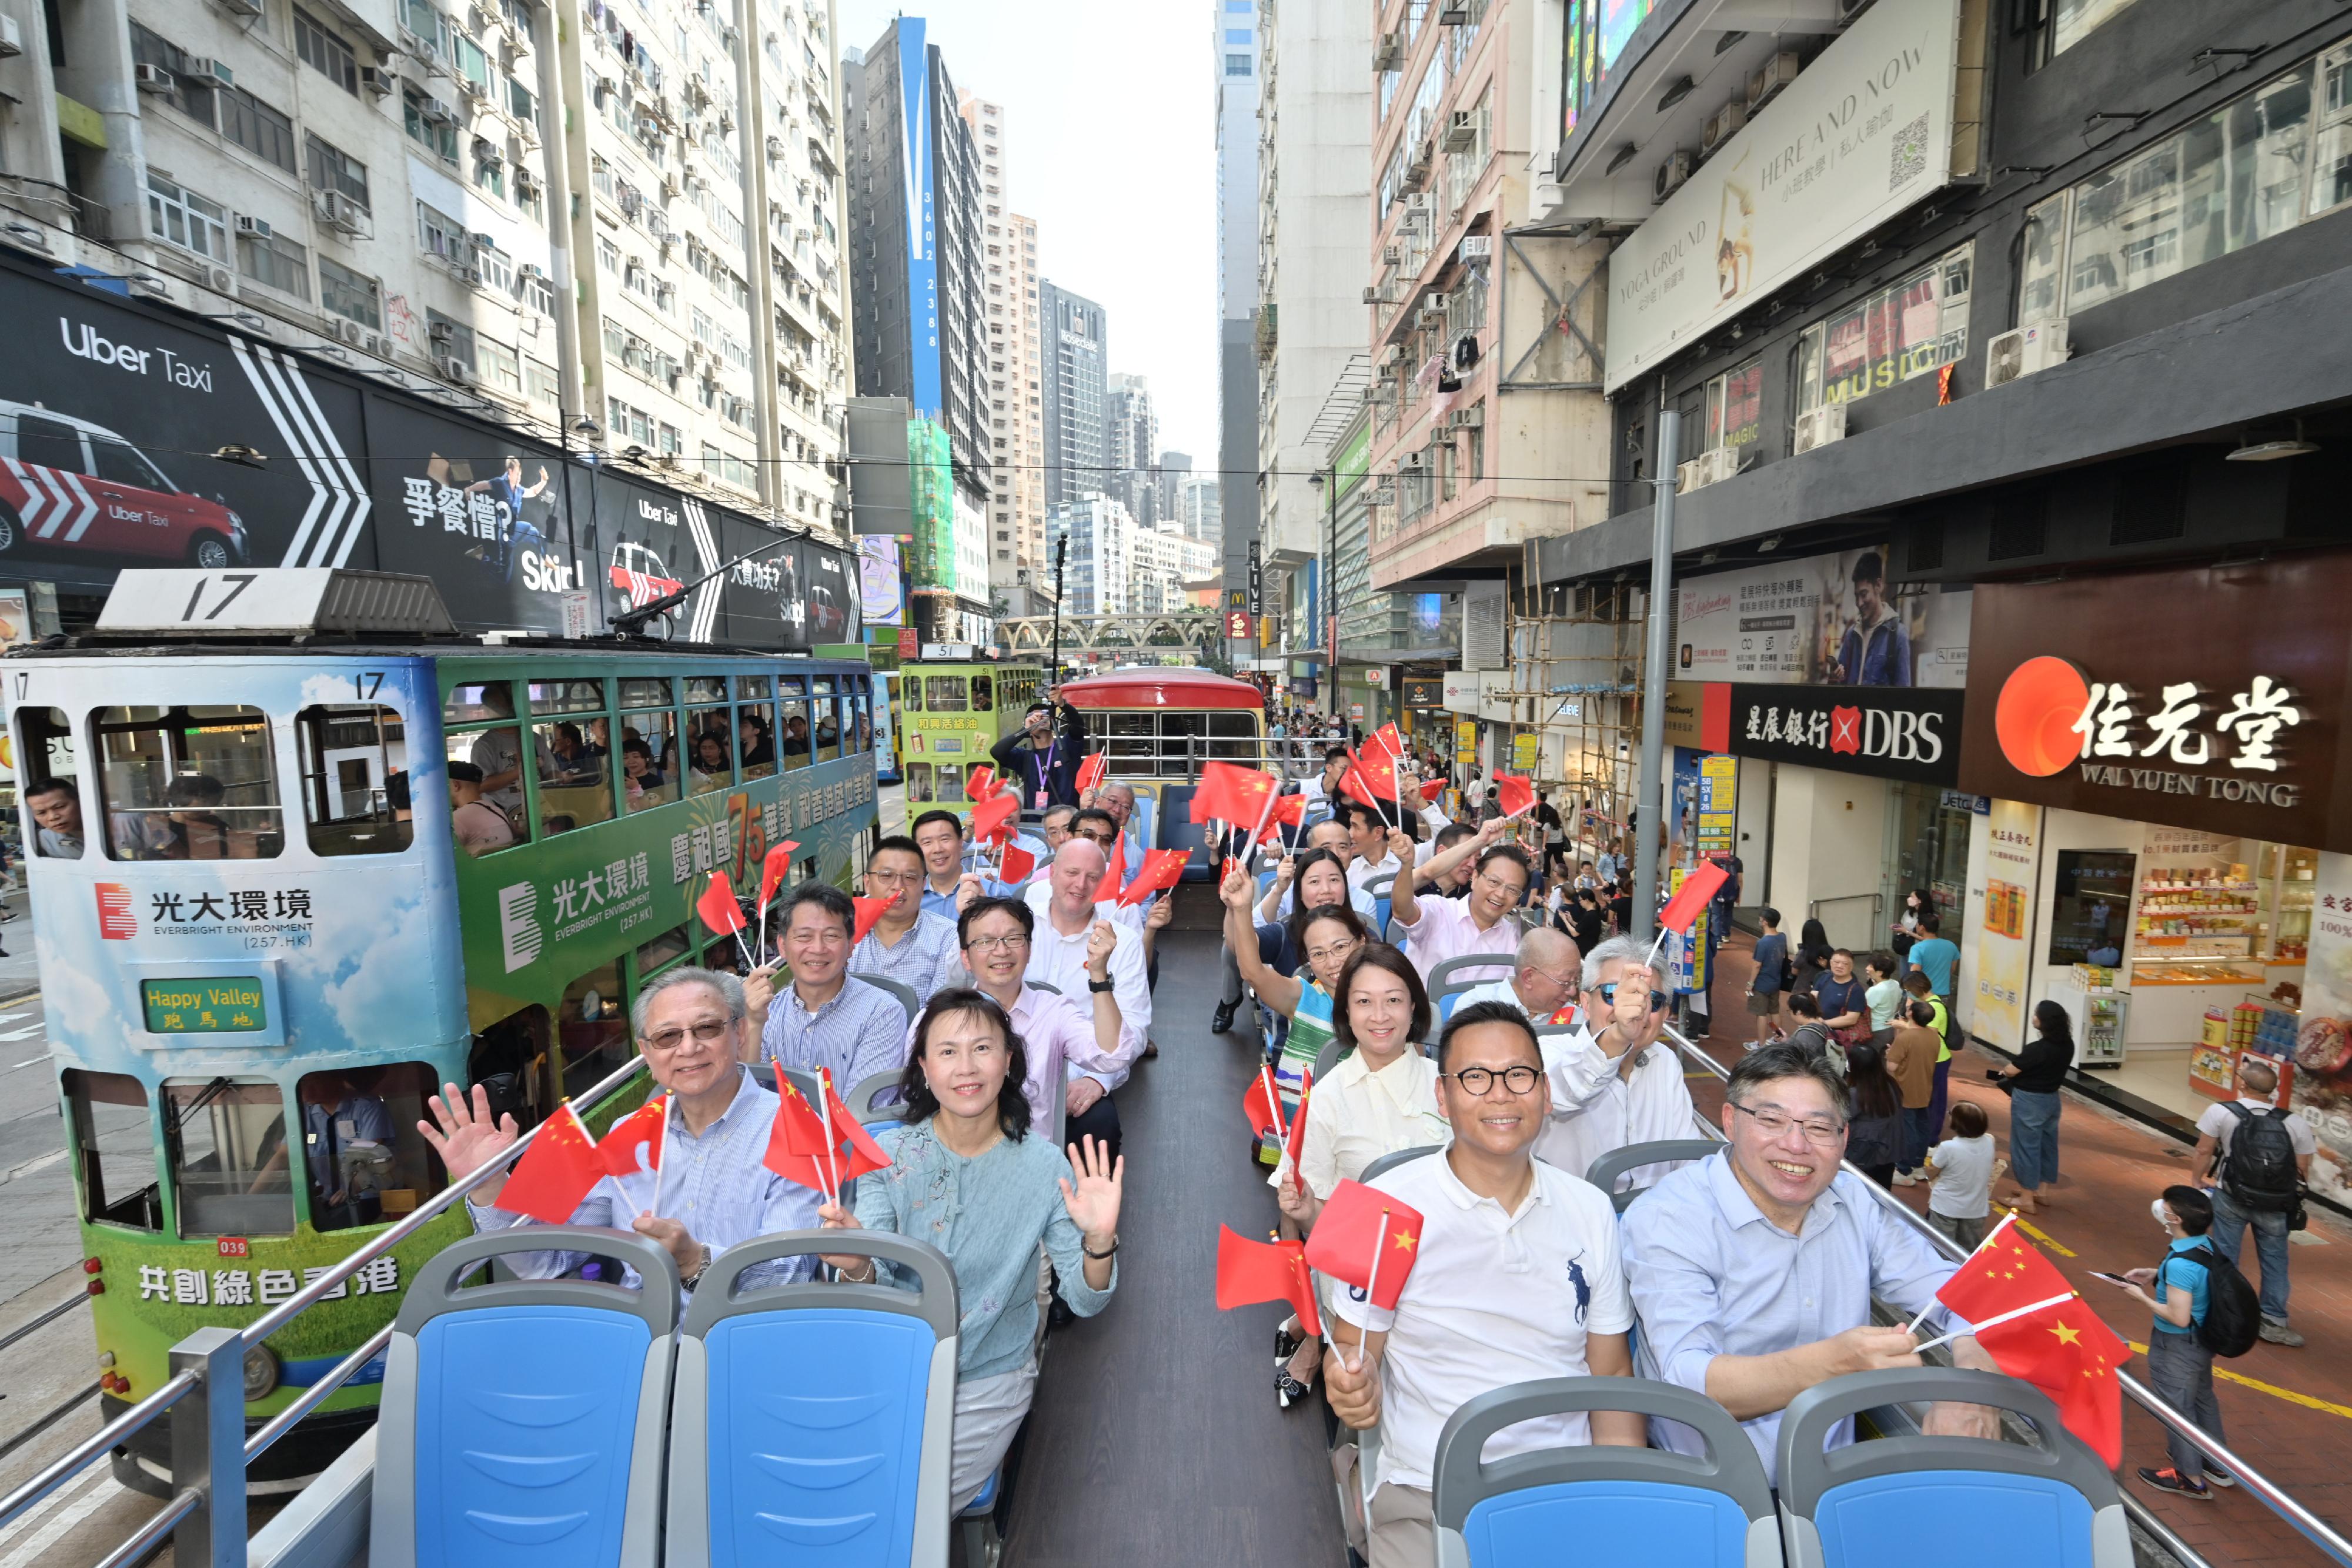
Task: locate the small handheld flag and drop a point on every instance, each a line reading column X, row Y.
column 1016, row 865
column 1697, row 889
column 993, row 816
column 982, row 783
column 869, row 911
column 1296, row 1144
column 631, row 1146
column 1261, row 1105
column 556, row 1173
column 1249, row 1271
column 1430, row 788
column 1161, row 869
column 796, row 1143
column 720, row 911
column 776, row 865
column 1367, row 1238
column 1514, row 793
column 2038, row 1330
column 1092, row 769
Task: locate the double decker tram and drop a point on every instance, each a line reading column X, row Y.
column 279, row 924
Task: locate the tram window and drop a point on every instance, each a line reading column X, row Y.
column 575, row 785
column 477, row 701
column 865, row 717
column 945, row 694
column 486, row 815
column 906, row 691
column 919, row 782
column 567, row 696
column 649, row 758
column 51, row 792
column 353, row 757
column 824, row 718
column 646, row 693
column 366, row 1162
column 663, row 951
column 224, row 1145
column 792, row 747
column 754, row 687
column 710, row 749
column 592, row 1031
column 706, row 689
column 983, row 695
column 755, row 728
column 188, row 783
column 116, row 1140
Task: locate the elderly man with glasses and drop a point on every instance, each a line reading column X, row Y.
column 714, row 1189
column 1616, row 1082
column 1753, row 1269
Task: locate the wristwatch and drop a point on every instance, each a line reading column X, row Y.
column 1094, row 984
column 689, row 1280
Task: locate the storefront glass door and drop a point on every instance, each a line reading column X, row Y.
column 1926, row 846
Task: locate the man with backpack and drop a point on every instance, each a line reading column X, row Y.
column 2254, row 1158
column 2203, row 1307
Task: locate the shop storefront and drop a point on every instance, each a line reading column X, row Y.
column 2164, row 853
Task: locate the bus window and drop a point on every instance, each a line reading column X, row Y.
column 755, row 726
column 352, row 756
column 188, row 783
column 506, row 1061
column 567, row 696
column 945, row 694
column 51, row 792
column 1131, row 741
column 366, row 1162
column 591, row 1033
column 649, row 757
column 575, row 788
column 824, row 718
column 710, row 749
column 792, row 747
column 117, row 1144
column 662, row 951
column 1233, row 736
column 224, row 1145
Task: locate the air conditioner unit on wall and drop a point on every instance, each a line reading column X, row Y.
column 1820, row 426
column 220, row 280
column 1476, row 248
column 450, row 368
column 1686, row 477
column 246, row 224
column 1461, row 131
column 376, row 80
column 1389, row 54
column 1719, row 465
column 337, row 211
column 154, row 79
column 1769, row 78
column 1471, row 418
column 201, row 72
column 2036, row 346
column 1672, row 174
column 347, row 329
column 1723, row 125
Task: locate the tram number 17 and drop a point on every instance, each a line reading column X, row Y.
column 236, row 582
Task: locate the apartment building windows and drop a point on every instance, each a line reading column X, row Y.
column 443, row 237
column 190, row 95
column 451, row 338
column 495, row 266
column 497, row 366
column 626, row 422
column 277, row 261
column 257, row 128
column 1917, row 324
column 2057, row 26
column 350, row 295
column 177, row 215
column 669, row 439
column 608, row 256
column 329, row 168
column 538, row 383
column 325, row 53
column 1237, row 65
column 429, row 122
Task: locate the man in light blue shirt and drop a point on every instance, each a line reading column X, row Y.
column 824, row 1017
column 909, row 944
column 941, row 836
column 1753, row 1271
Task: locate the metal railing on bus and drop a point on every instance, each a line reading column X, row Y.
column 205, row 1518
column 2312, row 1528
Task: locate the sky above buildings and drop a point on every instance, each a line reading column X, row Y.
column 1111, row 113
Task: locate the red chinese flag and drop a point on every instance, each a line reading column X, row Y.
column 856, row 1150
column 1430, row 788
column 556, row 1171
column 1017, row 864
column 1250, row 1271
column 1263, row 1115
column 1161, row 870
column 1115, row 864
column 1681, row 909
column 774, row 869
column 1358, row 1223
column 870, row 910
column 717, row 906
column 633, row 1144
column 1387, row 739
column 1375, row 774
column 1092, row 769
column 992, row 818
column 796, row 1143
column 1231, row 794
column 982, row 783
column 1290, row 810
column 1515, row 793
column 2065, row 1351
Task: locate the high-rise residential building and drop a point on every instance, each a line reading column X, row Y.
column 1017, row 513
column 1168, row 475
column 1100, row 573
column 1314, row 208
column 1134, row 437
column 917, row 211
column 1234, row 62
column 1073, row 359
column 624, row 228
column 1198, row 514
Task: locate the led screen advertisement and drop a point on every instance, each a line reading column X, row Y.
column 916, row 170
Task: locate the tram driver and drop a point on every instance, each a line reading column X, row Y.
column 713, row 1192
column 56, row 805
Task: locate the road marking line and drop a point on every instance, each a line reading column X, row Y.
column 2039, row 1234
column 30, row 1061
column 26, row 1032
column 87, row 1496
column 2308, row 1401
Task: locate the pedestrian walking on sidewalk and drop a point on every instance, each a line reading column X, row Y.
column 1772, row 974
column 2032, row 1087
column 1962, row 1169
column 2254, row 1159
column 2178, row 1362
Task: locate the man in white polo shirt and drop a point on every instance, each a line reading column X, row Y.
column 1517, row 1279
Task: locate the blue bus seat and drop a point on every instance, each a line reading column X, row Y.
column 1380, row 915
column 899, row 988
column 1467, row 973
column 873, row 1098
column 812, row 1422
column 1378, row 886
column 1606, row 1171
column 1617, row 1505
column 1939, row 1500
column 1396, row 1157
column 522, row 1420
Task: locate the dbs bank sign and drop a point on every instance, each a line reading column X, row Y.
column 1907, row 732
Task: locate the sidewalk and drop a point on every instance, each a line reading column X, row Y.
column 2289, row 1412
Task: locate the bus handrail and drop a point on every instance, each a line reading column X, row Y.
column 270, row 1323
column 144, row 1539
column 2310, row 1525
column 74, row 1460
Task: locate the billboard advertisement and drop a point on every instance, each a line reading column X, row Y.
column 1821, row 620
column 879, row 600
column 917, row 168
column 1863, row 134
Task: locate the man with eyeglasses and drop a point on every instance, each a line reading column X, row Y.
column 1515, row 1278
column 1544, row 984
column 1068, row 1041
column 909, row 944
column 1481, row 922
column 1753, row 1269
column 714, row 1190
column 826, row 1018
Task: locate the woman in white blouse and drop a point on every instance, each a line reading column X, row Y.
column 1381, row 1098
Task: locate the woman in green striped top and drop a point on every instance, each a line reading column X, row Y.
column 1324, row 935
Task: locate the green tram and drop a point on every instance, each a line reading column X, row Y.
column 947, row 715
column 274, row 929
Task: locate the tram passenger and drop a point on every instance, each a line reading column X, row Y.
column 908, row 943
column 1714, row 1252
column 1066, row 1039
column 574, row 763
column 1060, row 945
column 1518, row 1277
column 686, row 1021
column 1042, row 757
column 193, row 829
column 478, row 826
column 56, row 805
column 825, row 1017
column 713, row 768
column 498, row 753
column 638, row 773
column 966, row 1176
column 759, row 748
column 1481, row 923
column 1381, row 1098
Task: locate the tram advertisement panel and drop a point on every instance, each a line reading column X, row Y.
column 651, row 541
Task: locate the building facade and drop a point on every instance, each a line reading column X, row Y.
column 1233, row 64
column 1099, row 576
column 1016, row 516
column 1074, row 359
column 1134, row 446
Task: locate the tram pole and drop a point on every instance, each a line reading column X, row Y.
column 1651, row 793
column 1054, row 671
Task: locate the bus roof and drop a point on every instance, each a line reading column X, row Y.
column 1169, row 689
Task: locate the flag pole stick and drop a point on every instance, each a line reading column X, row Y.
column 661, row 1155
column 1264, row 815
column 2006, row 1222
column 825, row 1110
column 1373, row 1285
column 1999, row 1318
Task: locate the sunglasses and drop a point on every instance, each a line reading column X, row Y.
column 1608, row 994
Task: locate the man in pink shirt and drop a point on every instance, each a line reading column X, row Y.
column 1479, row 922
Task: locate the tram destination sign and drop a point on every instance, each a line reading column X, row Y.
column 208, row 1004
